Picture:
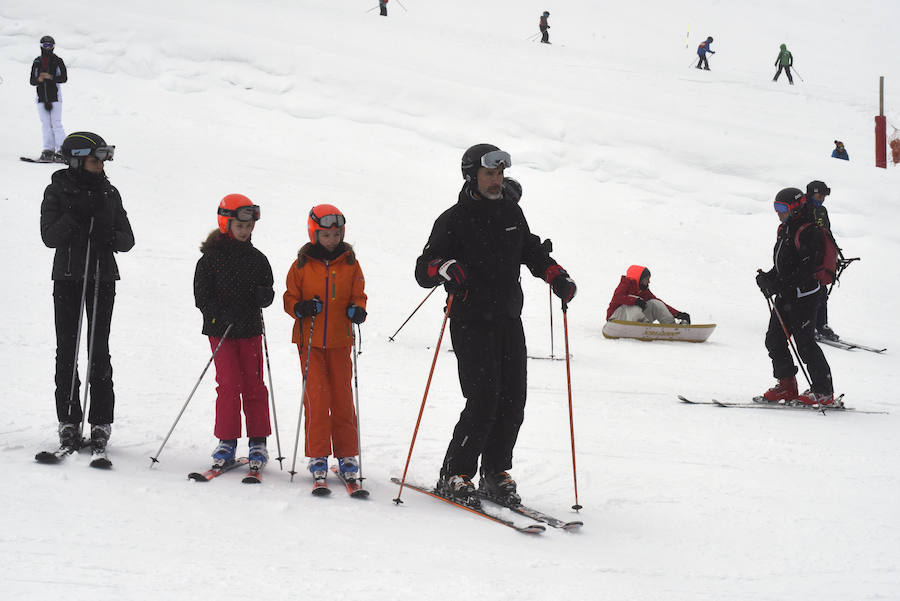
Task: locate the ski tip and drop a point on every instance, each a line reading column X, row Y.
column 532, row 529
column 197, row 477
column 360, row 494
column 321, row 491
column 102, row 464
column 572, row 526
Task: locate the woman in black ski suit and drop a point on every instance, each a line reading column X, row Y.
column 82, row 217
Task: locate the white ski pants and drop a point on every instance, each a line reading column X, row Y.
column 51, row 126
column 656, row 311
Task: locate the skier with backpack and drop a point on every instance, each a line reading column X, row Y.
column 803, row 255
column 702, row 50
column 816, row 191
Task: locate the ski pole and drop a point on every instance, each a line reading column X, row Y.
column 437, row 350
column 391, row 338
column 550, row 290
column 356, row 394
column 798, row 74
column 312, row 324
column 262, row 322
column 565, row 309
column 81, row 310
column 401, row 6
column 787, row 334
column 533, row 37
column 90, row 357
column 373, row 8
column 155, row 459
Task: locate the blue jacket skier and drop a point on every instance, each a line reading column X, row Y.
column 702, row 49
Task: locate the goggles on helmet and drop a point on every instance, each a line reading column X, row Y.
column 495, row 159
column 104, row 153
column 47, row 44
column 783, row 207
column 328, row 221
column 245, row 213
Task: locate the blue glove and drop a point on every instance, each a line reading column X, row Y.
column 308, row 308
column 356, row 314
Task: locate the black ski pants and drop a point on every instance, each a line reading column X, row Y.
column 491, row 358
column 545, row 36
column 799, row 315
column 822, row 314
column 66, row 304
column 702, row 63
column 787, row 71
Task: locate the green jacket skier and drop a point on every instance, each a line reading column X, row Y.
column 785, row 60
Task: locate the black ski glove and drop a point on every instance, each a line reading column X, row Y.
column 356, row 314
column 684, row 317
column 562, row 285
column 49, row 106
column 767, row 284
column 639, row 302
column 264, row 296
column 308, row 308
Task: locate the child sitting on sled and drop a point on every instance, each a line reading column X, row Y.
column 633, row 301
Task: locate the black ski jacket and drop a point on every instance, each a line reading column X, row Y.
column 232, row 282
column 47, row 90
column 70, row 201
column 795, row 267
column 491, row 239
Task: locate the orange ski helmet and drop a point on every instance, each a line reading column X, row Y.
column 324, row 217
column 236, row 206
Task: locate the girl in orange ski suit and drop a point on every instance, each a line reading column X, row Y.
column 336, row 278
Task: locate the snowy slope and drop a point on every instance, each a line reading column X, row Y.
column 626, row 154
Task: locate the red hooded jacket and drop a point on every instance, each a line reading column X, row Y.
column 629, row 290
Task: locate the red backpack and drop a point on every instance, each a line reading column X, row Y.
column 827, row 270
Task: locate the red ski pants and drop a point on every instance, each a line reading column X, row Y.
column 239, row 375
column 330, row 416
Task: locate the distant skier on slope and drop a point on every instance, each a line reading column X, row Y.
column 633, row 301
column 799, row 249
column 702, row 49
column 784, row 60
column 382, row 6
column 47, row 72
column 544, row 27
column 232, row 282
column 476, row 250
column 83, row 219
column 839, row 151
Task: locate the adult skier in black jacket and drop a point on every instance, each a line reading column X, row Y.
column 476, row 249
column 798, row 254
column 83, row 219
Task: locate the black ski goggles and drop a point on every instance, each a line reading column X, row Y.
column 48, row 45
column 104, row 153
column 496, row 159
column 245, row 213
column 328, row 221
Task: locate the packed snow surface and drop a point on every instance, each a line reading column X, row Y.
column 627, row 155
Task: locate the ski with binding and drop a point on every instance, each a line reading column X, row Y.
column 353, row 487
column 849, row 346
column 254, row 473
column 56, row 456
column 530, row 529
column 535, row 514
column 100, row 460
column 216, row 470
column 823, row 409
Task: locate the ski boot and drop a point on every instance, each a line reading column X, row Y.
column 826, row 333
column 459, row 489
column 224, row 453
column 258, row 453
column 499, row 487
column 349, row 467
column 810, row 399
column 46, row 156
column 318, row 467
column 100, row 437
column 68, row 436
column 785, row 390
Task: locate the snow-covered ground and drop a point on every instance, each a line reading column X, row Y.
column 627, row 155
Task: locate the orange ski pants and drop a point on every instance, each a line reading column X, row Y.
column 330, row 416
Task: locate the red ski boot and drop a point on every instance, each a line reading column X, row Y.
column 810, row 398
column 785, row 390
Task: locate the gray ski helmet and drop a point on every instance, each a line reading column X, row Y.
column 48, row 40
column 546, row 13
column 471, row 160
column 82, row 144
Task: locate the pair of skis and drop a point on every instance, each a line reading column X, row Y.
column 824, row 409
column 522, row 510
column 99, row 459
column 354, row 488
